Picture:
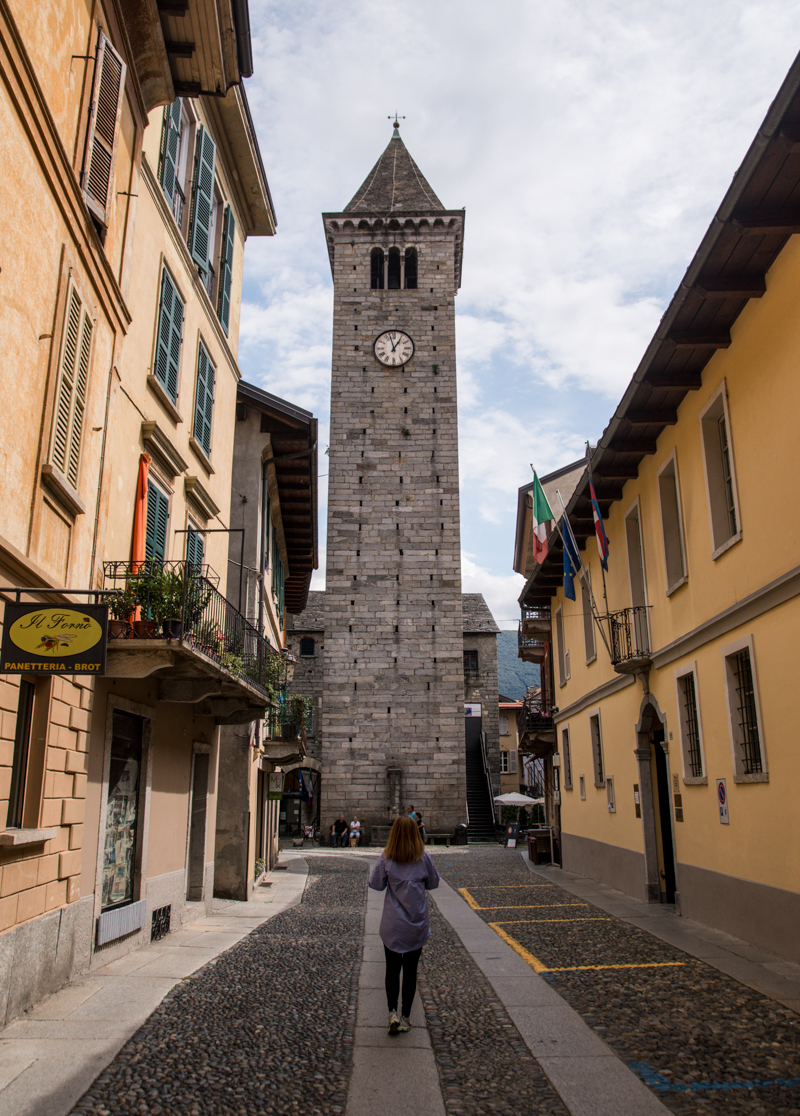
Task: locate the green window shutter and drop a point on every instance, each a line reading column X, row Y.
column 157, row 517
column 170, row 328
column 101, row 138
column 275, row 559
column 204, row 399
column 195, row 548
column 170, row 148
column 266, row 534
column 202, row 198
column 226, row 268
column 72, row 388
column 281, row 588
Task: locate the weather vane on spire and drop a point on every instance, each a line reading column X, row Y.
column 397, row 120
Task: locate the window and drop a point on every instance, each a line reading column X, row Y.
column 101, row 138
column 73, row 381
column 470, row 662
column 157, row 519
column 411, row 269
column 508, row 763
column 723, row 502
column 308, row 647
column 204, row 399
column 504, row 726
column 122, row 810
column 376, row 269
column 612, row 806
column 226, row 269
column 689, row 720
column 168, row 336
column 638, row 583
column 566, row 758
column 744, row 713
column 195, row 548
column 19, row 763
column 597, row 750
column 393, row 273
column 588, row 618
column 582, row 785
column 203, row 200
column 672, row 525
column 563, row 654
column 504, row 763
column 171, row 136
column 277, row 573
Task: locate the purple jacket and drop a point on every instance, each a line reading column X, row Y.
column 405, row 924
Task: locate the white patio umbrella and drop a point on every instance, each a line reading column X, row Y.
column 512, row 799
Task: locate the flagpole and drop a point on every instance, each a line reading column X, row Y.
column 592, row 602
column 602, row 567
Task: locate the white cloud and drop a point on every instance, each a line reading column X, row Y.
column 590, row 143
column 499, row 592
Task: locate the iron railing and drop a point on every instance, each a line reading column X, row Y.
column 630, row 635
column 180, row 601
column 529, row 649
column 535, row 716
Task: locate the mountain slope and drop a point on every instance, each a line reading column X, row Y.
column 513, row 675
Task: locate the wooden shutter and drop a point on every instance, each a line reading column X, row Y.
column 157, row 517
column 72, row 388
column 194, row 548
column 513, row 758
column 226, row 269
column 202, row 198
column 171, row 148
column 101, row 138
column 170, row 328
column 204, row 399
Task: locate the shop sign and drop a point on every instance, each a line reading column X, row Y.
column 54, row 639
column 512, row 833
column 275, row 788
column 722, row 801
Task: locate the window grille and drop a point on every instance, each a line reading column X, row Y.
column 470, row 662
column 597, row 751
column 567, row 759
column 749, row 741
column 727, row 476
column 160, row 923
column 691, row 726
column 308, row 647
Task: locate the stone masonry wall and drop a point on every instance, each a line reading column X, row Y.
column 482, row 687
column 393, row 639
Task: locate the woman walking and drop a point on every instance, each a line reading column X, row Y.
column 405, row 871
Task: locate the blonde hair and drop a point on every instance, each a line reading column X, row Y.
column 405, row 844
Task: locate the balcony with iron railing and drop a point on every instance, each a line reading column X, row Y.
column 629, row 633
column 170, row 617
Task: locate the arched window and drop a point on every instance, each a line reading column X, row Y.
column 308, row 647
column 376, row 270
column 394, row 269
column 411, row 269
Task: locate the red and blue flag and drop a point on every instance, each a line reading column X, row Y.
column 599, row 529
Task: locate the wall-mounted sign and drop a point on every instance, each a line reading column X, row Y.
column 722, row 802
column 59, row 639
column 473, row 710
column 275, row 788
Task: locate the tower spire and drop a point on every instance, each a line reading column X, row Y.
column 395, row 183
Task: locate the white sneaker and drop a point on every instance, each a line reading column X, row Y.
column 394, row 1023
column 404, row 1025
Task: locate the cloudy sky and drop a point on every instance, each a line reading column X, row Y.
column 590, row 141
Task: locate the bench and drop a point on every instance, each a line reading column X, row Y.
column 432, row 837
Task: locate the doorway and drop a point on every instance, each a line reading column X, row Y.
column 661, row 807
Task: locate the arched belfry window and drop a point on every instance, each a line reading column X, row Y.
column 394, row 283
column 376, row 269
column 411, row 269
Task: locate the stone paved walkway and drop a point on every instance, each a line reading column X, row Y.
column 534, row 1001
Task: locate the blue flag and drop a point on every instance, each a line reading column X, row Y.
column 572, row 561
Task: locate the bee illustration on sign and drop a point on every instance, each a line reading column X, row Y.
column 54, row 643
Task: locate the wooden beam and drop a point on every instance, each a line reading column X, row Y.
column 658, row 416
column 605, row 489
column 187, row 88
column 173, row 7
column 179, row 50
column 717, row 340
column 743, row 286
column 642, row 447
column 614, row 471
column 683, row 381
column 787, row 223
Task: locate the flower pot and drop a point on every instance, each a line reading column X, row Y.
column 145, row 629
column 117, row 629
column 172, row 629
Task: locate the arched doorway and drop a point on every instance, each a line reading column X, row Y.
column 652, row 754
column 296, row 812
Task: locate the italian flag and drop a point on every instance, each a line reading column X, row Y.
column 542, row 521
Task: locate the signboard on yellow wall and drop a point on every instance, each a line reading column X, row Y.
column 62, row 639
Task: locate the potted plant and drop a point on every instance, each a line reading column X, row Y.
column 146, row 587
column 170, row 604
column 121, row 606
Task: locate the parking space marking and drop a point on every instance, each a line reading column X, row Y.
column 476, row 907
column 521, row 921
column 540, row 967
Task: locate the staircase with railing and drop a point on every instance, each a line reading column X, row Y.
column 480, row 808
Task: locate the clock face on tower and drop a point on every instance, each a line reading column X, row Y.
column 393, row 347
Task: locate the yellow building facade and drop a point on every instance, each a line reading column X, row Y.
column 678, row 773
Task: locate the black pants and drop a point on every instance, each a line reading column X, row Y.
column 408, row 963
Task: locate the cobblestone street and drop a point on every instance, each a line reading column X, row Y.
column 291, row 1018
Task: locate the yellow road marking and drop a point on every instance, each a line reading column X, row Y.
column 507, row 887
column 521, row 921
column 539, row 966
column 463, row 891
column 529, row 906
column 534, row 962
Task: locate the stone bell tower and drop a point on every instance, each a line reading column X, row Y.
column 393, row 709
